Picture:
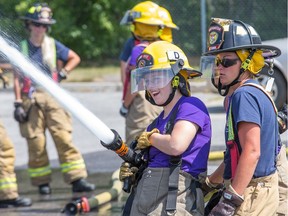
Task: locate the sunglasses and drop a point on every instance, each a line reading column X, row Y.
column 39, row 25
column 225, row 62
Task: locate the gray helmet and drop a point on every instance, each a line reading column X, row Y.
column 39, row 13
column 225, row 35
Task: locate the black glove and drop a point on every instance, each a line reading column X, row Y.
column 123, row 111
column 228, row 203
column 62, row 75
column 282, row 119
column 207, row 186
column 19, row 114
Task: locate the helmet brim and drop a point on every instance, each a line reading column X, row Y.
column 52, row 21
column 268, row 51
column 172, row 25
column 192, row 72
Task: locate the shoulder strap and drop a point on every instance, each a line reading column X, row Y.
column 265, row 92
column 175, row 166
column 24, row 48
column 49, row 54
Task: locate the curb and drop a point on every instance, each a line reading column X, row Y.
column 218, row 155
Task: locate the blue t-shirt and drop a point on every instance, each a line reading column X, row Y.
column 250, row 104
column 127, row 49
column 35, row 54
column 195, row 157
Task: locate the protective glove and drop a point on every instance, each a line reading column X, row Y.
column 127, row 171
column 123, row 111
column 207, row 186
column 62, row 75
column 143, row 140
column 229, row 202
column 19, row 114
column 282, row 119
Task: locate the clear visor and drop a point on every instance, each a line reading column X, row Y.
column 147, row 78
column 129, row 17
column 208, row 67
column 126, row 18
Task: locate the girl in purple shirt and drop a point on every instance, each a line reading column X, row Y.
column 178, row 140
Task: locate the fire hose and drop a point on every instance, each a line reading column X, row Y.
column 84, row 204
column 110, row 139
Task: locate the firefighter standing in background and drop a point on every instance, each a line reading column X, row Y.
column 249, row 171
column 165, row 34
column 9, row 196
column 37, row 111
column 145, row 26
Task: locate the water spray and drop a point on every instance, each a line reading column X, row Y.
column 95, row 125
column 110, row 139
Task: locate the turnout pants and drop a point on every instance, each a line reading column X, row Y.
column 141, row 114
column 151, row 194
column 8, row 183
column 45, row 113
column 261, row 197
column 282, row 169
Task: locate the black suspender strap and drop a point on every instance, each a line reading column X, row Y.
column 175, row 166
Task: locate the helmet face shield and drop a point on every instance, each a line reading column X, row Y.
column 129, row 17
column 126, row 19
column 208, row 67
column 147, row 78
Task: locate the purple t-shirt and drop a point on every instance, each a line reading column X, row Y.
column 195, row 158
column 136, row 51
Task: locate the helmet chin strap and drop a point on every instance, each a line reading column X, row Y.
column 226, row 88
column 244, row 67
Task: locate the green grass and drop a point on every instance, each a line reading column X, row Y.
column 92, row 74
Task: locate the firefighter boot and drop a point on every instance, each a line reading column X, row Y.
column 81, row 185
column 18, row 202
column 44, row 189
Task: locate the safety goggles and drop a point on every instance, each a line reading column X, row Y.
column 39, row 25
column 226, row 63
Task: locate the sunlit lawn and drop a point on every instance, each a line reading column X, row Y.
column 91, row 74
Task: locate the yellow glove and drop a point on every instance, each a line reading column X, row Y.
column 143, row 140
column 127, row 171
